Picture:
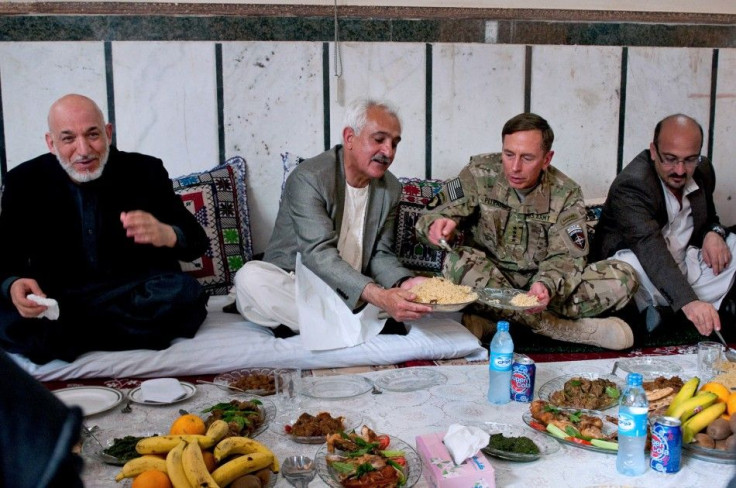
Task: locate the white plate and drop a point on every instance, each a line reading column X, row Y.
column 546, row 445
column 546, row 390
column 351, row 421
column 501, row 298
column 410, row 379
column 649, row 367
column 451, row 307
column 336, row 387
column 91, row 399
column 135, row 395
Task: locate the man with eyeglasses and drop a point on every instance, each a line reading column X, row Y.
column 660, row 218
column 525, row 227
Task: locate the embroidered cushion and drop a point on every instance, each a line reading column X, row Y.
column 415, row 194
column 219, row 201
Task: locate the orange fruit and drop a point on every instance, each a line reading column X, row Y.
column 188, row 424
column 731, row 404
column 719, row 389
column 151, row 479
column 209, row 460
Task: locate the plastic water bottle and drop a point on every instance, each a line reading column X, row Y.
column 499, row 367
column 632, row 428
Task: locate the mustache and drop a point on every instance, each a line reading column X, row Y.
column 380, row 158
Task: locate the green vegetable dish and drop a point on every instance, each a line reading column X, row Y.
column 123, row 448
column 518, row 445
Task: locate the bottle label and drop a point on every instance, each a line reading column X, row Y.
column 501, row 361
column 632, row 421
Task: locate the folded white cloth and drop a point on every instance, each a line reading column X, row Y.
column 162, row 390
column 463, row 441
column 52, row 306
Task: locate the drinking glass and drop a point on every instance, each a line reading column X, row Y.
column 709, row 358
column 288, row 383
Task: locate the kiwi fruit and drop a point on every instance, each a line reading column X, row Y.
column 247, row 481
column 704, row 440
column 731, row 443
column 719, row 429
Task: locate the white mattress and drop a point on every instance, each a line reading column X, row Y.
column 227, row 342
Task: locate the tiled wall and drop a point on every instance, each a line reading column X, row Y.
column 193, row 99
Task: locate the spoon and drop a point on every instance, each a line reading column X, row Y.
column 444, row 245
column 298, row 470
column 730, row 352
column 104, row 457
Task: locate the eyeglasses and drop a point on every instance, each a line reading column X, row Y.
column 670, row 161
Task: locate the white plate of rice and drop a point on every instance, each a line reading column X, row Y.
column 443, row 295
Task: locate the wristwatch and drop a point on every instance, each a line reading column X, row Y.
column 720, row 230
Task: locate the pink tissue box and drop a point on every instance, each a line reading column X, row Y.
column 440, row 470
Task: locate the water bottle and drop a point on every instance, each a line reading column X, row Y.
column 632, row 428
column 499, row 367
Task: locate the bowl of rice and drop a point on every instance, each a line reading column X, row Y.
column 443, row 295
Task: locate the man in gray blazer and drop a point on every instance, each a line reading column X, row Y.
column 660, row 218
column 338, row 211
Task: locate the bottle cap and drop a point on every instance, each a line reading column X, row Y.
column 502, row 325
column 634, row 379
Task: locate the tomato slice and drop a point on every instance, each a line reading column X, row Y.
column 287, row 428
column 383, row 441
column 399, row 460
column 582, row 442
column 537, row 425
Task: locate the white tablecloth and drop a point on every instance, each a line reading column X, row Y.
column 460, row 400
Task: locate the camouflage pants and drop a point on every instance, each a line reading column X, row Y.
column 603, row 286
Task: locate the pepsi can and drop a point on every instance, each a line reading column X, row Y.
column 523, row 371
column 666, row 445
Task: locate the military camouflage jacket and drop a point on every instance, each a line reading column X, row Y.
column 543, row 239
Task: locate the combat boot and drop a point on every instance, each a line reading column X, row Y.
column 481, row 327
column 610, row 333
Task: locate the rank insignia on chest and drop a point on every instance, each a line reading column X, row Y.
column 577, row 236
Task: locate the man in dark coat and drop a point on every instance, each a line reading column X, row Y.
column 101, row 232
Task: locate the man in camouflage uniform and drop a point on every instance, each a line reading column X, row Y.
column 525, row 221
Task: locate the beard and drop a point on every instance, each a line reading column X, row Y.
column 84, row 176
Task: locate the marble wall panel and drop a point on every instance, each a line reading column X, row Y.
column 476, row 88
column 273, row 104
column 576, row 88
column 166, row 102
column 390, row 71
column 724, row 143
column 660, row 82
column 34, row 75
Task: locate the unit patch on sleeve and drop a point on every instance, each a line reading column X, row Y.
column 577, row 236
column 452, row 190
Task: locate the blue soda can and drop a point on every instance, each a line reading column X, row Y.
column 666, row 445
column 523, row 371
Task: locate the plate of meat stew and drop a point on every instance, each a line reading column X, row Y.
column 310, row 428
column 590, row 391
column 253, row 381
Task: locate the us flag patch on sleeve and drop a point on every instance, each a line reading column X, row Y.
column 454, row 189
column 577, row 236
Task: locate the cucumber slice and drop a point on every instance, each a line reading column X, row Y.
column 613, row 446
column 556, row 431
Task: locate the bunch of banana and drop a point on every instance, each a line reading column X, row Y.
column 695, row 411
column 194, row 468
column 162, row 444
column 701, row 420
column 253, row 456
column 136, row 466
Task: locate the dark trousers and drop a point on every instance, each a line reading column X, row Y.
column 146, row 313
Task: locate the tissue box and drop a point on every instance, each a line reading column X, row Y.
column 441, row 472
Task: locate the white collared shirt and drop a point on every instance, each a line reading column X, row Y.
column 679, row 228
column 350, row 242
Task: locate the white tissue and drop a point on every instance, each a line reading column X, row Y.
column 52, row 306
column 162, row 390
column 463, row 441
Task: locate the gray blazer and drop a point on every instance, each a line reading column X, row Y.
column 634, row 215
column 309, row 220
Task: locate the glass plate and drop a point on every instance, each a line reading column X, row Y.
column 91, row 399
column 608, row 429
column 269, row 411
column 107, row 438
column 501, row 298
column 336, row 387
column 546, row 445
column 545, row 391
column 410, row 379
column 225, row 380
column 649, row 367
column 413, row 464
column 135, row 395
column 351, row 421
column 711, row 455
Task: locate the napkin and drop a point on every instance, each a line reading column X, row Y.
column 463, row 441
column 162, row 390
column 52, row 306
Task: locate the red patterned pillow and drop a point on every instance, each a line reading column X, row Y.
column 218, row 200
column 415, row 194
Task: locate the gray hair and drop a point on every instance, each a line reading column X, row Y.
column 356, row 114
